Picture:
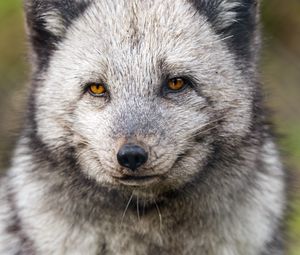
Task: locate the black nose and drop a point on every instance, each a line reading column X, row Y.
column 132, row 156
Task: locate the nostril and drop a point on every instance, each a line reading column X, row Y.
column 132, row 156
column 138, row 159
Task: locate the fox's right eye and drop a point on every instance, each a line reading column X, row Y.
column 97, row 90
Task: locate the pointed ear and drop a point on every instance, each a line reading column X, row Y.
column 47, row 22
column 235, row 20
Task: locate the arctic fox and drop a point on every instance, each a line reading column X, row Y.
column 145, row 133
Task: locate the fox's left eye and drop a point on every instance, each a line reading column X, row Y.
column 97, row 89
column 175, row 85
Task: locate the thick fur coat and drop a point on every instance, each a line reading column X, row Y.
column 213, row 183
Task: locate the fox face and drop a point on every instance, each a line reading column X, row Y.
column 143, row 93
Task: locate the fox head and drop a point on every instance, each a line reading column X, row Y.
column 145, row 94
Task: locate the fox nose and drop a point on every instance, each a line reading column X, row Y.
column 132, row 156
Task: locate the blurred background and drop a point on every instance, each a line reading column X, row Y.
column 280, row 73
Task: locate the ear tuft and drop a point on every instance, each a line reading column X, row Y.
column 227, row 14
column 54, row 23
column 235, row 20
column 48, row 21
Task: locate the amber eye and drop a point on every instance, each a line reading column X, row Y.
column 176, row 84
column 97, row 89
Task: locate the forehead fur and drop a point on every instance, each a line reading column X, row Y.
column 233, row 20
column 146, row 32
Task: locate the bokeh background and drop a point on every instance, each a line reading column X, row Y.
column 280, row 67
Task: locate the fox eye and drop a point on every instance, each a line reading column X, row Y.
column 176, row 84
column 96, row 89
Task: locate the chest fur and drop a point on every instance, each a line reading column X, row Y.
column 138, row 235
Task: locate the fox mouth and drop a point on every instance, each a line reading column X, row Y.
column 134, row 180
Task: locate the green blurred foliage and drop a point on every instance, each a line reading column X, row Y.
column 13, row 69
column 280, row 74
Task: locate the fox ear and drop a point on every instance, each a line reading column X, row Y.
column 235, row 20
column 47, row 22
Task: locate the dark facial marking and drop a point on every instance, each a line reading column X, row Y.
column 239, row 33
column 44, row 42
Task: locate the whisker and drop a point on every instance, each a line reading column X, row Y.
column 137, row 208
column 126, row 208
column 144, row 207
column 159, row 215
column 217, row 41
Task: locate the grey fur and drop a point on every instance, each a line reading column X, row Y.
column 220, row 189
